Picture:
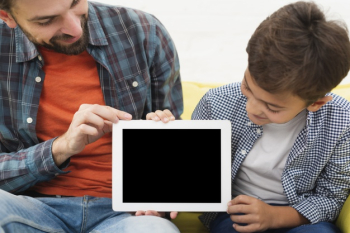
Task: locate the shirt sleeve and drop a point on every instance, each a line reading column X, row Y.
column 22, row 169
column 332, row 186
column 202, row 110
column 166, row 85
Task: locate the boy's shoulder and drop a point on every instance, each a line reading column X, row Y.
column 339, row 102
column 335, row 114
column 231, row 89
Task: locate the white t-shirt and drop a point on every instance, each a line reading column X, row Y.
column 260, row 173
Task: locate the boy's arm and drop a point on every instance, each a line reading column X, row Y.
column 325, row 201
column 256, row 215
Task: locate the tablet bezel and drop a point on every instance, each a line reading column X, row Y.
column 117, row 168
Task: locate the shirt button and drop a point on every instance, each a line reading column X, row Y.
column 135, row 84
column 249, row 123
column 38, row 79
column 258, row 131
column 244, row 152
column 40, row 58
column 29, row 120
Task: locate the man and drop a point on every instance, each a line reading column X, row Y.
column 69, row 70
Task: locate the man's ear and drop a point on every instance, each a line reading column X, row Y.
column 319, row 103
column 8, row 19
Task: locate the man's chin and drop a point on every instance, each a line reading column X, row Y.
column 72, row 49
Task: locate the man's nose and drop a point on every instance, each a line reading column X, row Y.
column 72, row 25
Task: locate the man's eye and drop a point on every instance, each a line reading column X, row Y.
column 45, row 23
column 75, row 2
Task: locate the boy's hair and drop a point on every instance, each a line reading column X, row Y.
column 298, row 51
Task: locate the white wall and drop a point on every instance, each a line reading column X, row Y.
column 211, row 35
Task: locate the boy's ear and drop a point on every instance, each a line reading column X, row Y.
column 8, row 19
column 319, row 103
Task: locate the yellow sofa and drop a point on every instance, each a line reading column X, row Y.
column 188, row 222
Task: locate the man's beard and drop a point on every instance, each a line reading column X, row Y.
column 73, row 49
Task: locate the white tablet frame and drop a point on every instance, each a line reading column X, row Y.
column 117, row 169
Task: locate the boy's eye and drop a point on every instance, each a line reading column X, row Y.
column 245, row 87
column 269, row 109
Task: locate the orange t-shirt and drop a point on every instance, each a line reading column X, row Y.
column 69, row 82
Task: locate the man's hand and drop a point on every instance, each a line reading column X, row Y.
column 89, row 124
column 173, row 214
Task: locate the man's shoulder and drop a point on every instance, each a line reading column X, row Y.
column 108, row 11
column 5, row 30
column 7, row 39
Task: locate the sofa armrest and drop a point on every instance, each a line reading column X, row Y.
column 343, row 221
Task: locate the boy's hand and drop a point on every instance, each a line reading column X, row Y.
column 173, row 214
column 158, row 115
column 250, row 214
column 164, row 116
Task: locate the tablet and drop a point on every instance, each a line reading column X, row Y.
column 182, row 165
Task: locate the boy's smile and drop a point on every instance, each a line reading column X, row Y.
column 264, row 108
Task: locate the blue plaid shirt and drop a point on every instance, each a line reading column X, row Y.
column 316, row 177
column 139, row 72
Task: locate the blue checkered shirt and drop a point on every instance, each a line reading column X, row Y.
column 130, row 47
column 316, row 177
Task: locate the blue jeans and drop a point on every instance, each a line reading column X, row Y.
column 72, row 214
column 223, row 224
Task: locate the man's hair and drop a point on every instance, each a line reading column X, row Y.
column 6, row 5
column 297, row 50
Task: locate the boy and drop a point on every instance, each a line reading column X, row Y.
column 290, row 136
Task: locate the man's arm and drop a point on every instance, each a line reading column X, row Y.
column 166, row 85
column 24, row 168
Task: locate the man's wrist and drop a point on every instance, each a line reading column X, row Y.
column 59, row 156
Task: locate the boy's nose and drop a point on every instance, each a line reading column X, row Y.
column 253, row 107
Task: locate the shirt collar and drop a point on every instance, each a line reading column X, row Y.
column 26, row 50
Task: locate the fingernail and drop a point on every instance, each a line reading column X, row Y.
column 229, row 203
column 156, row 118
column 127, row 115
column 166, row 119
column 172, row 118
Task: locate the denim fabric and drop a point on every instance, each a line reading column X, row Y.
column 223, row 224
column 72, row 214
